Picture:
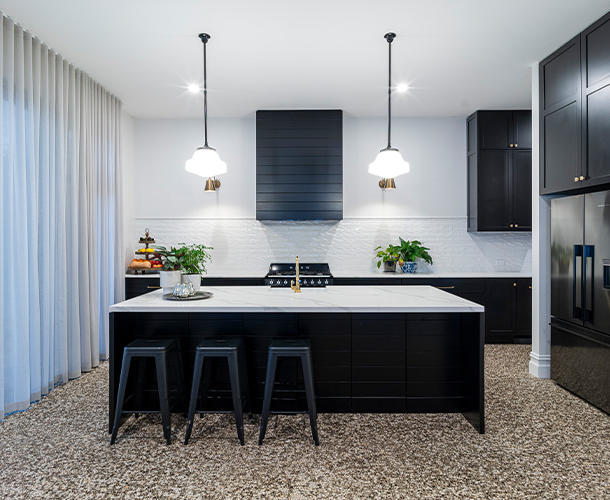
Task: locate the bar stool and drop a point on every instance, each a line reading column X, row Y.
column 233, row 351
column 293, row 348
column 157, row 349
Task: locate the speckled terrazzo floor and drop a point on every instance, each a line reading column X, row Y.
column 541, row 442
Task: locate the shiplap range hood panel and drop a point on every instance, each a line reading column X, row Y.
column 299, row 165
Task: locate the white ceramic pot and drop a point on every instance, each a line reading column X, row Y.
column 193, row 279
column 168, row 280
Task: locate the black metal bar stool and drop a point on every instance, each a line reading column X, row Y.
column 301, row 349
column 157, row 349
column 233, row 351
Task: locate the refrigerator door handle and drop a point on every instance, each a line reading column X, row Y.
column 577, row 283
column 588, row 252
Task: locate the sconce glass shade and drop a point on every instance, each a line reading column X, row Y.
column 206, row 162
column 389, row 164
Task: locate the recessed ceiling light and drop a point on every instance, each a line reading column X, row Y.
column 194, row 88
column 402, row 88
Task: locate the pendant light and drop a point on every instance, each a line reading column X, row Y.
column 389, row 163
column 205, row 161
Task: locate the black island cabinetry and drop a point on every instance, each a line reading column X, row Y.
column 417, row 358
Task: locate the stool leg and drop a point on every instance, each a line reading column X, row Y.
column 121, row 395
column 236, row 393
column 269, row 380
column 141, row 377
column 180, row 373
column 311, row 398
column 161, row 363
column 194, row 393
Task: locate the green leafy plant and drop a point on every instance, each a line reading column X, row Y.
column 408, row 251
column 190, row 259
column 389, row 254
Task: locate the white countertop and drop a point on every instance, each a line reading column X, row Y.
column 342, row 299
column 380, row 274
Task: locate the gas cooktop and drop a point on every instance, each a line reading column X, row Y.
column 311, row 275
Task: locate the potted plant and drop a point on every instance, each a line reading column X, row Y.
column 408, row 251
column 171, row 271
column 192, row 259
column 388, row 256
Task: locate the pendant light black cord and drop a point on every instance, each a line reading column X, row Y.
column 389, row 37
column 204, row 38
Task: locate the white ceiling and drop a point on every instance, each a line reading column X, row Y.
column 459, row 55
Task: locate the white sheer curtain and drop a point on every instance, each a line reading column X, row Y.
column 60, row 218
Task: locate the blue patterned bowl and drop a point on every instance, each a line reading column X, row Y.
column 409, row 267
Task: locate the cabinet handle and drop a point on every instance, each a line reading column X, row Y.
column 510, row 145
column 575, row 179
column 451, row 287
column 516, row 145
column 510, row 225
column 530, row 287
column 150, row 287
column 516, row 225
column 514, row 283
column 582, row 177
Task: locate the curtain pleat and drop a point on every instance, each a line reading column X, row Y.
column 60, row 216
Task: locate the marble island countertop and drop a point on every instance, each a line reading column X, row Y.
column 341, row 299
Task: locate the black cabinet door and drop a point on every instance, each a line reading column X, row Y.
column 595, row 55
column 494, row 129
column 140, row 286
column 522, row 129
column 560, row 119
column 521, row 169
column 500, row 308
column 523, row 312
column 493, row 190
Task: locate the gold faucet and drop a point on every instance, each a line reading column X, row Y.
column 296, row 287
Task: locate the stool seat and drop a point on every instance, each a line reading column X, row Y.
column 207, row 344
column 286, row 345
column 231, row 349
column 290, row 348
column 156, row 349
column 152, row 344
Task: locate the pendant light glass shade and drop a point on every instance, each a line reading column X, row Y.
column 206, row 162
column 389, row 164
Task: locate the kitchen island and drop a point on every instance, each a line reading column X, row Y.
column 374, row 348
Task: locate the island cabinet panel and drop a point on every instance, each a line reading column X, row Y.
column 362, row 362
column 434, row 357
column 378, row 362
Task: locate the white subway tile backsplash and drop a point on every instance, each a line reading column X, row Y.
column 247, row 246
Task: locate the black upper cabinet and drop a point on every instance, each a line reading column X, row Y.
column 299, row 165
column 575, row 113
column 521, row 196
column 504, row 129
column 522, row 129
column 499, row 171
column 595, row 56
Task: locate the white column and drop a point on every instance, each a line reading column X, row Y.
column 540, row 357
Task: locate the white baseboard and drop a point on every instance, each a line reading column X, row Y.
column 540, row 365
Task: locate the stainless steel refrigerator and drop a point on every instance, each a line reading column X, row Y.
column 580, row 295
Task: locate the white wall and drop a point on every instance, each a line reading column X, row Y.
column 435, row 187
column 429, row 204
column 129, row 171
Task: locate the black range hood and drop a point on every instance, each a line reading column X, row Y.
column 299, row 165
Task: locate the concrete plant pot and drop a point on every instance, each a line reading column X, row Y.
column 168, row 280
column 193, row 279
